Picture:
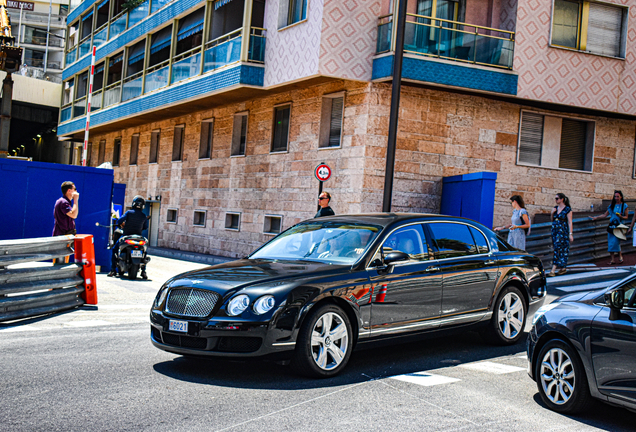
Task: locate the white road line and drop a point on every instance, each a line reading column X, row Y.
column 491, row 367
column 87, row 323
column 425, row 379
column 586, row 287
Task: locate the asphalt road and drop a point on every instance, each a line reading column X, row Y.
column 95, row 370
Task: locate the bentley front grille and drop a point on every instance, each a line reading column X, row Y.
column 192, row 303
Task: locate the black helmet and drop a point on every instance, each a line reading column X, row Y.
column 138, row 202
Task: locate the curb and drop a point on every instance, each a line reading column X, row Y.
column 600, row 274
column 188, row 256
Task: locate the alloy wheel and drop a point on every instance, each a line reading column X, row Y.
column 329, row 341
column 511, row 315
column 557, row 376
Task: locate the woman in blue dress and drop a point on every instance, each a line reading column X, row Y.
column 520, row 222
column 617, row 212
column 561, row 234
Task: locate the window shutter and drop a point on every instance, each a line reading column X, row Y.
column 335, row 129
column 605, row 29
column 572, row 154
column 134, row 149
column 205, row 145
column 177, row 144
column 531, row 139
column 154, row 147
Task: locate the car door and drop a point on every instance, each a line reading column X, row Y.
column 469, row 270
column 405, row 296
column 613, row 349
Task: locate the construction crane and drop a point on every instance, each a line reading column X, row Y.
column 10, row 59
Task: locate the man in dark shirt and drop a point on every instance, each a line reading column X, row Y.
column 323, row 200
column 66, row 210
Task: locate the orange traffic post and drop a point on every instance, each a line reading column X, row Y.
column 85, row 254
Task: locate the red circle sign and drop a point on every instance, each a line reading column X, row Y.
column 322, row 172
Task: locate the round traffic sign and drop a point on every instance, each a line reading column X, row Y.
column 322, row 172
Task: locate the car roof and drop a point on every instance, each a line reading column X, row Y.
column 386, row 219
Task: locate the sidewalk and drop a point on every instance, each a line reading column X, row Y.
column 188, row 256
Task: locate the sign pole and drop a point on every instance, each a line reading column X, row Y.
column 88, row 107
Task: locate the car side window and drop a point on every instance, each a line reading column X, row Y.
column 480, row 240
column 452, row 240
column 410, row 240
column 630, row 293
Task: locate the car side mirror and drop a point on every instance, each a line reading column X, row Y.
column 615, row 299
column 394, row 257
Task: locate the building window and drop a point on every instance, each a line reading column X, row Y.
column 239, row 135
column 177, row 143
column 232, row 221
column 555, row 142
column 291, row 12
column 102, row 152
column 172, row 216
column 89, row 153
column 280, row 135
column 199, row 218
column 272, row 224
column 331, row 121
column 205, row 145
column 154, row 146
column 597, row 28
column 116, row 151
column 134, row 149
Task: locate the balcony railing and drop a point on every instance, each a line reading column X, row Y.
column 112, row 94
column 39, row 63
column 79, row 107
column 65, row 113
column 157, row 76
column 222, row 51
column 186, row 65
column 71, row 56
column 257, row 45
column 137, row 14
column 84, row 48
column 41, row 40
column 96, row 101
column 452, row 40
column 100, row 37
column 38, row 17
column 132, row 86
column 118, row 25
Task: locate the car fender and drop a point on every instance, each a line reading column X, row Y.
column 513, row 276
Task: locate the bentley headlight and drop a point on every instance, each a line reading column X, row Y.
column 161, row 296
column 264, row 304
column 542, row 310
column 237, row 305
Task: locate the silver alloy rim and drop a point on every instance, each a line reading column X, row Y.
column 329, row 340
column 557, row 376
column 511, row 315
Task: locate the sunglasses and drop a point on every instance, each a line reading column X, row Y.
column 320, row 199
column 557, row 198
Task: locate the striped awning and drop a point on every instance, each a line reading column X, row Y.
column 219, row 3
column 87, row 16
column 103, row 3
column 136, row 53
column 99, row 68
column 191, row 24
column 161, row 39
column 115, row 60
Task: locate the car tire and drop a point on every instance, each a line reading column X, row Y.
column 508, row 318
column 324, row 343
column 561, row 378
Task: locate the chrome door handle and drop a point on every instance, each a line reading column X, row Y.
column 490, row 262
column 432, row 269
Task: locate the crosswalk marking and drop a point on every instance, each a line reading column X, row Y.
column 491, row 367
column 425, row 379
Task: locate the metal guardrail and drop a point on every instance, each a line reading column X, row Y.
column 590, row 241
column 30, row 289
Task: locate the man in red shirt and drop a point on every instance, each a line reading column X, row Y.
column 66, row 210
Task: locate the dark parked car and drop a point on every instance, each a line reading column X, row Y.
column 315, row 291
column 583, row 346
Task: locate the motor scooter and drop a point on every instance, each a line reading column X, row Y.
column 131, row 256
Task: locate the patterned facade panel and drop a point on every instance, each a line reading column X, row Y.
column 419, row 69
column 144, row 27
column 569, row 77
column 349, row 34
column 292, row 53
column 240, row 74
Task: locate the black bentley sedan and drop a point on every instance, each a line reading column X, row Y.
column 315, row 291
column 583, row 346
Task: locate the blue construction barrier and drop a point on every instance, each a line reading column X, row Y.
column 30, row 189
column 471, row 196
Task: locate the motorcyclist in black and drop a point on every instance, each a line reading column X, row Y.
column 134, row 222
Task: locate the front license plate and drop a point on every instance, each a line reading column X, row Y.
column 137, row 254
column 178, row 326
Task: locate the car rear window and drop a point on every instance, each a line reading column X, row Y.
column 480, row 240
column 452, row 239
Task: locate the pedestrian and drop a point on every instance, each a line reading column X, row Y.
column 520, row 224
column 618, row 212
column 66, row 210
column 561, row 216
column 323, row 201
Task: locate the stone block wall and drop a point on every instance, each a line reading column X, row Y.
column 441, row 134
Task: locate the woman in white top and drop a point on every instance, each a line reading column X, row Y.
column 520, row 222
